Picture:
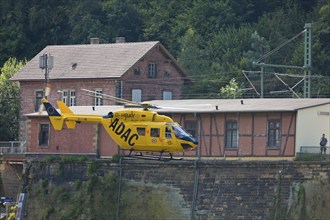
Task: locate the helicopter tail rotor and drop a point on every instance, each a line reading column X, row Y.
column 46, row 94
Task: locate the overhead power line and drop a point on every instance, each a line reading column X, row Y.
column 279, row 47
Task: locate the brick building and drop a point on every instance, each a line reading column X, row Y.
column 136, row 71
column 223, row 127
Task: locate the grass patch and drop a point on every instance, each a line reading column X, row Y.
column 312, row 157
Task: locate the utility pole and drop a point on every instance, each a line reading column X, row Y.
column 308, row 60
column 46, row 62
column 262, row 82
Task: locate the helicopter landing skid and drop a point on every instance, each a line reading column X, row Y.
column 152, row 157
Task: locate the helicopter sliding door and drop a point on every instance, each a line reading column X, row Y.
column 154, row 139
column 161, row 138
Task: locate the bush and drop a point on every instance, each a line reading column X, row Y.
column 311, row 157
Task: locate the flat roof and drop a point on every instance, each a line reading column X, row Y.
column 210, row 106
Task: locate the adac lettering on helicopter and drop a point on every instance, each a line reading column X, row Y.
column 120, row 130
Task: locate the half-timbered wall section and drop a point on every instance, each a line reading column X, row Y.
column 242, row 134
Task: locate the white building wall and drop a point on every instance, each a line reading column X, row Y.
column 311, row 124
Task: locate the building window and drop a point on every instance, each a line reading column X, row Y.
column 69, row 97
column 191, row 127
column 231, row 134
column 98, row 101
column 65, row 96
column 136, row 95
column 72, row 98
column 43, row 135
column 274, row 134
column 152, row 70
column 39, row 96
column 167, row 95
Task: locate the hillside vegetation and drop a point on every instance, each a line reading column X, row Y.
column 214, row 40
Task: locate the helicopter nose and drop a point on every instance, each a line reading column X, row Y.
column 186, row 146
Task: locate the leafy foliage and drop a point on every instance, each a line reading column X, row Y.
column 231, row 90
column 9, row 100
column 214, row 40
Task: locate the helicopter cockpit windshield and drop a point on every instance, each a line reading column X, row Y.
column 180, row 132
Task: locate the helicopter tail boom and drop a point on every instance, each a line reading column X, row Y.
column 66, row 110
column 68, row 116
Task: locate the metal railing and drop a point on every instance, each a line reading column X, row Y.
column 313, row 149
column 12, row 147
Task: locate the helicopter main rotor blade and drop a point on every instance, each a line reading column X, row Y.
column 127, row 103
column 109, row 97
column 102, row 97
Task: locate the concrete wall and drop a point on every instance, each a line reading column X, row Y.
column 212, row 189
column 311, row 124
column 232, row 190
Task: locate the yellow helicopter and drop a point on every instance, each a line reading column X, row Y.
column 136, row 130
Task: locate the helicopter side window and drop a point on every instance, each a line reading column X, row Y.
column 154, row 132
column 141, row 131
column 168, row 133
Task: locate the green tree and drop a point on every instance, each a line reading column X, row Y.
column 320, row 85
column 9, row 100
column 122, row 19
column 231, row 90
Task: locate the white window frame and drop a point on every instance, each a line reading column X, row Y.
column 72, row 97
column 68, row 96
column 65, row 96
column 167, row 95
column 98, row 101
column 38, row 98
column 152, row 69
column 136, row 95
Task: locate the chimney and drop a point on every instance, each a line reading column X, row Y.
column 120, row 39
column 94, row 40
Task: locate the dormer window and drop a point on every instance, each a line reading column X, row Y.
column 74, row 66
column 152, row 70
